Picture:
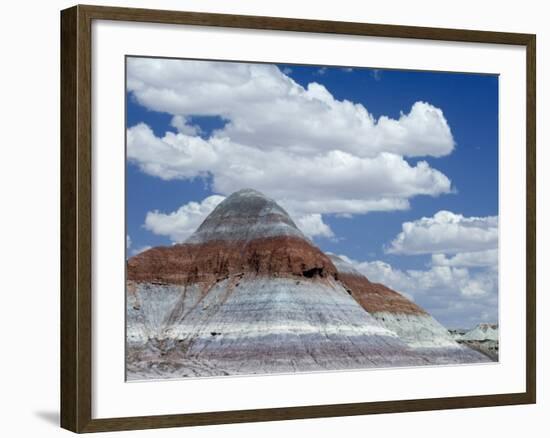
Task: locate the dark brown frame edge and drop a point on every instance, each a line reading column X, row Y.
column 76, row 168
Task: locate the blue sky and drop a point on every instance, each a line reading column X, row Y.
column 467, row 156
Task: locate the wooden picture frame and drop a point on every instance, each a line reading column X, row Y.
column 76, row 217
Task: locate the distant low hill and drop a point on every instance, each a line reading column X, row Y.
column 483, row 337
column 482, row 332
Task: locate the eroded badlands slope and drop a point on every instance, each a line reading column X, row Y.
column 248, row 293
column 416, row 327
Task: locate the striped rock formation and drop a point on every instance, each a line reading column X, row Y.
column 249, row 293
column 410, row 322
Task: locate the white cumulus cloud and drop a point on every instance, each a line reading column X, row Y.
column 460, row 284
column 456, row 296
column 180, row 224
column 332, row 182
column 446, row 232
column 487, row 258
column 299, row 145
column 312, row 225
column 266, row 109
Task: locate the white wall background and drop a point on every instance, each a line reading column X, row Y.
column 29, row 219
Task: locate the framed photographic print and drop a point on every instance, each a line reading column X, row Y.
column 304, row 218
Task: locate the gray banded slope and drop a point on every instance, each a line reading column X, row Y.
column 249, row 325
column 246, row 215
